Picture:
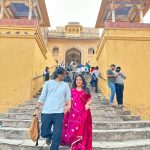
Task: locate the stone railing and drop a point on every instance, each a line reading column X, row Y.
column 74, row 36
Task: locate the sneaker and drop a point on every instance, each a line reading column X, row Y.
column 48, row 141
column 120, row 106
column 112, row 105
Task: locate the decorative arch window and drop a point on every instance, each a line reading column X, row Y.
column 73, row 30
column 91, row 51
column 55, row 51
column 69, row 30
column 77, row 31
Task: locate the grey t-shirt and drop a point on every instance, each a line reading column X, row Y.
column 111, row 79
column 120, row 78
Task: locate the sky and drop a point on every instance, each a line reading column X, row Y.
column 84, row 11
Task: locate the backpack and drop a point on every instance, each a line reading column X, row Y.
column 34, row 130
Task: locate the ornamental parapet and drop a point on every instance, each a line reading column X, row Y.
column 73, row 36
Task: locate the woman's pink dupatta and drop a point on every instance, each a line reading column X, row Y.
column 77, row 125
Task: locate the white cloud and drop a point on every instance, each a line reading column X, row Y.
column 84, row 11
column 63, row 11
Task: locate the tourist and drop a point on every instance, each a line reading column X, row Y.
column 71, row 65
column 95, row 76
column 111, row 78
column 46, row 74
column 79, row 65
column 74, row 67
column 78, row 71
column 92, row 69
column 54, row 96
column 62, row 64
column 83, row 70
column 119, row 85
column 67, row 78
column 87, row 66
column 77, row 125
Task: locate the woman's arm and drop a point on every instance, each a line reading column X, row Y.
column 88, row 104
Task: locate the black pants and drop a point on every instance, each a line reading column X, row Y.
column 47, row 121
column 96, row 85
column 119, row 93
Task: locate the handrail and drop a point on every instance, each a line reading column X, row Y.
column 38, row 76
column 103, row 78
column 41, row 75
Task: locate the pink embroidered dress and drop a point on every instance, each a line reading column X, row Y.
column 77, row 125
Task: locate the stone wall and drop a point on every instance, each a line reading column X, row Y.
column 23, row 57
column 81, row 44
column 130, row 49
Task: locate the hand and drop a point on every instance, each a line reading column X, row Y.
column 67, row 109
column 36, row 113
column 87, row 106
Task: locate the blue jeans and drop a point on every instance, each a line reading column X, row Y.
column 47, row 121
column 111, row 85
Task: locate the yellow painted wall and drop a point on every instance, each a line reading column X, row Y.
column 39, row 65
column 16, row 71
column 21, row 60
column 129, row 49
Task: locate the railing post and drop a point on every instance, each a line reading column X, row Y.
column 2, row 4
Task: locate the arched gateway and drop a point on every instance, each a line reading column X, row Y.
column 74, row 55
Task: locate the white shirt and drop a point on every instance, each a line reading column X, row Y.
column 78, row 70
column 97, row 73
column 83, row 69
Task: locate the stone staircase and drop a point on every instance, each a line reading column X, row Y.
column 113, row 128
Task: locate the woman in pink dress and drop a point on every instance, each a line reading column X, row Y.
column 77, row 125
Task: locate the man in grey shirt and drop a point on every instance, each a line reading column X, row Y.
column 54, row 97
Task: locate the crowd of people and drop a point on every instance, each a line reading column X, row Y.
column 66, row 117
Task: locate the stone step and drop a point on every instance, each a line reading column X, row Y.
column 119, row 135
column 98, row 135
column 95, row 96
column 119, row 117
column 94, row 103
column 29, row 116
column 8, row 144
column 101, row 125
column 30, row 107
column 110, row 112
column 94, row 111
column 96, row 124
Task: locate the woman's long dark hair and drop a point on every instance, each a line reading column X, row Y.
column 84, row 87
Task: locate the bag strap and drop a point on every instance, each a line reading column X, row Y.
column 37, row 141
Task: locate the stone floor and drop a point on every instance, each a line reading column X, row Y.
column 113, row 128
